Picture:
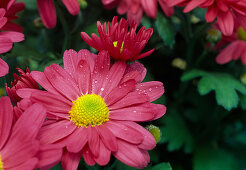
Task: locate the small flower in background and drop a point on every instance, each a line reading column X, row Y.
column 18, row 144
column 9, row 31
column 235, row 49
column 134, row 8
column 227, row 12
column 121, row 43
column 23, row 81
column 48, row 12
column 4, row 68
column 93, row 108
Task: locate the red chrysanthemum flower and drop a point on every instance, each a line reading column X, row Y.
column 227, row 12
column 121, row 43
column 135, row 8
column 236, row 47
column 18, row 143
column 93, row 108
column 4, row 68
column 48, row 12
column 9, row 31
column 23, row 81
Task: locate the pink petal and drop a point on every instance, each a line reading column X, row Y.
column 165, row 8
column 124, row 132
column 83, row 75
column 148, row 142
column 211, row 13
column 119, row 92
column 28, row 165
column 54, row 132
column 130, row 154
column 150, row 7
column 104, row 155
column 13, row 36
column 88, row 157
column 135, row 71
column 4, row 68
column 5, row 44
column 226, row 22
column 6, row 118
column 107, row 137
column 77, row 140
column 62, row 81
column 70, row 161
column 49, row 155
column 93, row 141
column 226, row 54
column 47, row 12
column 70, row 60
column 193, row 4
column 72, row 6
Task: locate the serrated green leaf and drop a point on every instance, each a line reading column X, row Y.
column 224, row 85
column 176, row 133
column 165, row 30
column 207, row 158
column 162, row 166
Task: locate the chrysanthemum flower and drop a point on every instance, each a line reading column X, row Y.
column 9, row 31
column 48, row 12
column 93, row 108
column 18, row 143
column 4, row 68
column 235, row 49
column 227, row 12
column 121, row 43
column 23, row 81
column 135, row 8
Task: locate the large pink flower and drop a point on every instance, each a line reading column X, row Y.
column 134, row 8
column 48, row 12
column 18, row 143
column 236, row 47
column 9, row 31
column 118, row 41
column 93, row 108
column 227, row 12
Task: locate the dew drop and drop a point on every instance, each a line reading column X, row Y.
column 102, row 89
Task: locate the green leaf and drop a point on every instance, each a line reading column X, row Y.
column 243, row 102
column 30, row 4
column 165, row 30
column 224, row 85
column 162, row 166
column 176, row 133
column 208, row 158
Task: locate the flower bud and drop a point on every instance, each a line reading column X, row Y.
column 155, row 131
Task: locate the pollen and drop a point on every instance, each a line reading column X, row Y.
column 122, row 45
column 1, row 164
column 89, row 109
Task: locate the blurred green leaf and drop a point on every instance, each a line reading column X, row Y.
column 224, row 85
column 176, row 133
column 57, row 167
column 207, row 158
column 243, row 102
column 165, row 30
column 32, row 5
column 162, row 166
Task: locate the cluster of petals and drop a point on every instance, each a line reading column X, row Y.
column 121, row 43
column 23, row 81
column 19, row 145
column 135, row 8
column 128, row 100
column 227, row 12
column 233, row 47
column 47, row 10
column 10, row 32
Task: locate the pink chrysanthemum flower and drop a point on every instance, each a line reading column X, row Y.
column 227, row 12
column 18, row 143
column 23, row 81
column 135, row 8
column 93, row 108
column 48, row 12
column 121, row 43
column 4, row 68
column 236, row 47
column 9, row 31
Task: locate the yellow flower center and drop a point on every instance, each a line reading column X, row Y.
column 241, row 34
column 89, row 109
column 122, row 45
column 1, row 164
